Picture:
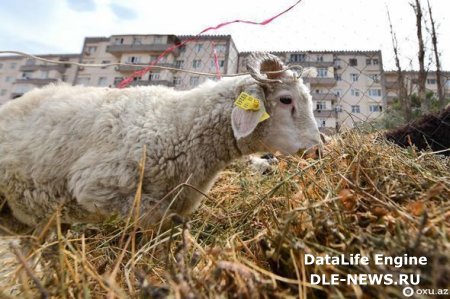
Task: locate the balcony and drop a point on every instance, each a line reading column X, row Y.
column 315, row 63
column 136, row 48
column 324, row 96
column 35, row 81
column 133, row 68
column 391, row 84
column 43, row 67
column 321, row 81
column 325, row 113
column 149, row 83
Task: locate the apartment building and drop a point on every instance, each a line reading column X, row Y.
column 20, row 74
column 350, row 86
column 212, row 54
column 391, row 83
column 347, row 89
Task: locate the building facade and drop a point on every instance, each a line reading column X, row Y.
column 392, row 84
column 212, row 54
column 350, row 86
column 21, row 74
column 347, row 89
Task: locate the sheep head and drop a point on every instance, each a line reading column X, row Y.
column 283, row 96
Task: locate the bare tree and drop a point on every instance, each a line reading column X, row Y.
column 403, row 93
column 421, row 56
column 437, row 59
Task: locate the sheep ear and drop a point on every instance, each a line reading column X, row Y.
column 244, row 122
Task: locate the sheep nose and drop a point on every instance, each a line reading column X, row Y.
column 314, row 152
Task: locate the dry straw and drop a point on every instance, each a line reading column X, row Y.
column 249, row 238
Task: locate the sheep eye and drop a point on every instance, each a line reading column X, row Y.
column 286, row 100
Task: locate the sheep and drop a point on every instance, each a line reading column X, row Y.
column 77, row 149
column 430, row 131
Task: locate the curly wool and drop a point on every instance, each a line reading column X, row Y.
column 78, row 149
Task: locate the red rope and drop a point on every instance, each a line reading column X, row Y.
column 140, row 73
column 216, row 61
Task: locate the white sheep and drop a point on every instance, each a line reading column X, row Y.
column 78, row 148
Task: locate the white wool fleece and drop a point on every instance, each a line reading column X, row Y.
column 79, row 148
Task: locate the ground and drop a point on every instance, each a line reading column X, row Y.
column 249, row 239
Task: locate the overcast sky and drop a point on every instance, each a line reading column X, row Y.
column 59, row 26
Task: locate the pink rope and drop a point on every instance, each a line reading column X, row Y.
column 142, row 72
column 216, row 61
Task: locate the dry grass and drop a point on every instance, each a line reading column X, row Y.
column 249, row 238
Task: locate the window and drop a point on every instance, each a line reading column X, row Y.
column 106, row 61
column 321, row 105
column 321, row 123
column 375, row 78
column 198, row 47
column 221, row 63
column 118, row 41
column 337, row 62
column 194, row 81
column 158, row 40
column 354, row 77
column 338, row 108
column 30, row 62
column 137, row 41
column 322, row 72
column 134, row 59
column 319, row 58
column 154, row 76
column 102, row 81
column 117, row 80
column 27, row 75
column 221, row 48
column 353, row 62
column 83, row 80
column 179, row 64
column 338, row 92
column 355, row 109
column 196, row 63
column 375, row 108
column 297, row 57
column 8, row 79
column 370, row 61
column 431, row 81
column 182, row 48
column 354, row 92
column 338, row 77
column 375, row 92
column 44, row 74
column 2, row 92
column 91, row 49
column 12, row 65
column 176, row 81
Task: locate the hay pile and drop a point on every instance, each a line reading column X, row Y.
column 249, row 238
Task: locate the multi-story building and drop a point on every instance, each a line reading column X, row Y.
column 350, row 86
column 392, row 84
column 20, row 74
column 347, row 89
column 212, row 54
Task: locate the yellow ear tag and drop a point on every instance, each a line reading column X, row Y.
column 264, row 116
column 247, row 102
